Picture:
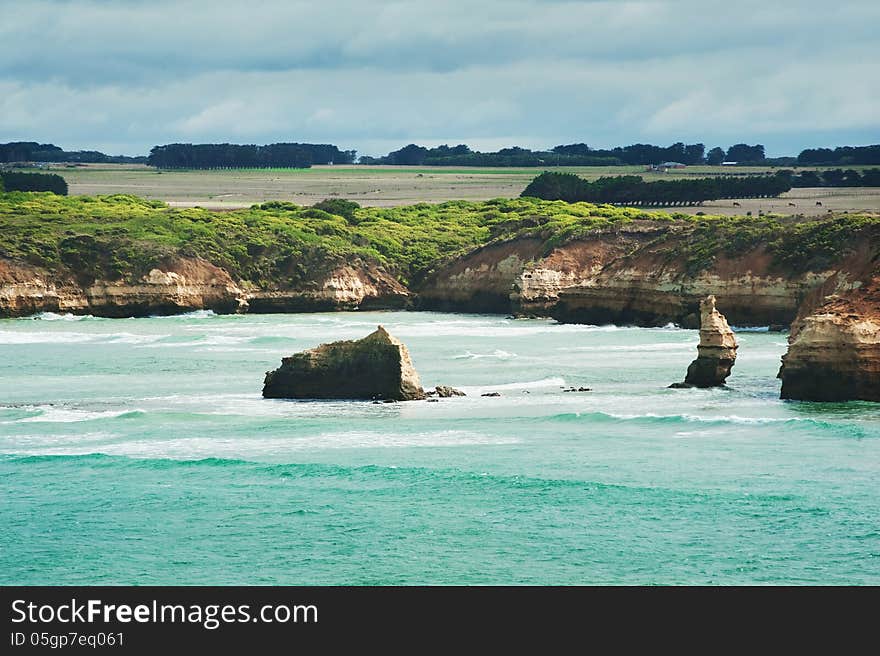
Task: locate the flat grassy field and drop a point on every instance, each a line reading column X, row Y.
column 385, row 186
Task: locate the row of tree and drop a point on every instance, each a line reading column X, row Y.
column 633, row 190
column 835, row 178
column 578, row 154
column 843, row 155
column 223, row 156
column 31, row 151
column 15, row 181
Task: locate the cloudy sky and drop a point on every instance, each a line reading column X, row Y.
column 124, row 75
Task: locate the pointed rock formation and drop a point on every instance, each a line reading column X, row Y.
column 375, row 367
column 834, row 352
column 716, row 352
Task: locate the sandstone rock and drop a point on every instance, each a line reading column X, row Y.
column 375, row 367
column 175, row 285
column 349, row 287
column 444, row 391
column 716, row 352
column 834, row 352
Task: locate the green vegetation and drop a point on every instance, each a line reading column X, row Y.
column 794, row 245
column 221, row 156
column 15, row 181
column 280, row 243
column 633, row 190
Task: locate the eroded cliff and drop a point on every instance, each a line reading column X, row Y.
column 834, row 350
column 176, row 285
column 652, row 273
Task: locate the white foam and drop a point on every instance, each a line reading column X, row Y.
column 54, row 414
column 53, row 337
column 195, row 314
column 271, row 448
column 497, row 353
column 661, row 346
column 529, row 384
column 54, row 316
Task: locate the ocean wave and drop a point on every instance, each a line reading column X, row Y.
column 527, row 384
column 195, row 314
column 18, row 337
column 750, row 329
column 661, row 346
column 56, row 414
column 497, row 353
column 684, row 418
column 267, row 448
column 55, row 316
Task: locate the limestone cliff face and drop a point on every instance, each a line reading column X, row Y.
column 482, row 280
column 651, row 289
column 536, row 288
column 375, row 367
column 26, row 289
column 180, row 285
column 345, row 287
column 834, row 351
column 622, row 276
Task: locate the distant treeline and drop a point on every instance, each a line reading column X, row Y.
column 14, row 181
column 225, row 156
column 578, row 154
column 300, row 155
column 633, row 190
column 835, row 178
column 846, row 155
column 31, row 151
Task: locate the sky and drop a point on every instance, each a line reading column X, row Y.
column 121, row 76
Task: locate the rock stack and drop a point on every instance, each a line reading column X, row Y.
column 834, row 352
column 716, row 352
column 375, row 367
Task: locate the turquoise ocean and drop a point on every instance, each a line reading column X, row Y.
column 139, row 451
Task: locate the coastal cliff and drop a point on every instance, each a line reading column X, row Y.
column 176, row 285
column 346, row 287
column 648, row 273
column 186, row 284
column 834, row 349
column 577, row 262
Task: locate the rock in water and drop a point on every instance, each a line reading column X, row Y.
column 375, row 367
column 445, row 392
column 834, row 352
column 716, row 352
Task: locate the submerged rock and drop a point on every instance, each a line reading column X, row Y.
column 716, row 352
column 834, row 352
column 375, row 367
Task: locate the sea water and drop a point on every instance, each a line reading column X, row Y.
column 140, row 451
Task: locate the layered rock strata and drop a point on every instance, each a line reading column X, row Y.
column 176, row 285
column 834, row 351
column 343, row 288
column 716, row 352
column 375, row 367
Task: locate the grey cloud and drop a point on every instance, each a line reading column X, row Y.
column 372, row 75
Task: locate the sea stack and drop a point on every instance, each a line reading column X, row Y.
column 834, row 352
column 716, row 352
column 375, row 367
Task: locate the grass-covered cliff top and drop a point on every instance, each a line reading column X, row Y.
column 278, row 243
